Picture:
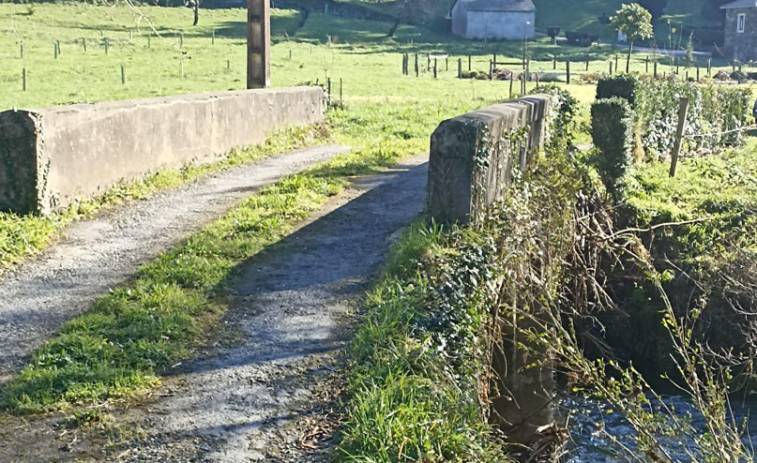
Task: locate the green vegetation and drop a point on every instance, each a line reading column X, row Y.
column 612, row 133
column 720, row 188
column 416, row 359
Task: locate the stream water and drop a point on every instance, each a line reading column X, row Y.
column 587, row 419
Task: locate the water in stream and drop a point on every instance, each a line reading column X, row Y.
column 587, row 418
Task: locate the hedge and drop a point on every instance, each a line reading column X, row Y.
column 623, row 86
column 612, row 121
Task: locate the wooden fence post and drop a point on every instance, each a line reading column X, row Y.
column 655, row 69
column 567, row 72
column 587, row 65
column 123, row 75
column 23, row 79
column 610, row 67
column 528, row 69
column 435, row 62
column 646, row 65
column 512, row 77
column 417, row 67
column 459, row 68
column 469, row 62
column 709, row 66
column 682, row 110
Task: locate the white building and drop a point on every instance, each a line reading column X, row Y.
column 494, row 19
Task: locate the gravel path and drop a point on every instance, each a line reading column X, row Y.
column 100, row 254
column 292, row 309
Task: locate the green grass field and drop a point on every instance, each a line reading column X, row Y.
column 357, row 52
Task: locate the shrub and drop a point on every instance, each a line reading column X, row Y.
column 612, row 133
column 712, row 110
column 623, row 86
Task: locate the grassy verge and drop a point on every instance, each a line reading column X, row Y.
column 719, row 188
column 415, row 359
column 22, row 236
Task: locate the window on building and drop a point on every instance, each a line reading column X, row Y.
column 740, row 22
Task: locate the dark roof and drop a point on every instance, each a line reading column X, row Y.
column 498, row 5
column 740, row 4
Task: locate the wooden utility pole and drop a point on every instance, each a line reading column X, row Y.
column 258, row 44
column 682, row 110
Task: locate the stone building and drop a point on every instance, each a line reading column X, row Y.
column 741, row 30
column 494, row 19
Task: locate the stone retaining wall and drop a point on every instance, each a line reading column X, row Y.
column 51, row 157
column 473, row 155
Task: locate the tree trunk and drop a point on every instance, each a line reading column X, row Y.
column 628, row 59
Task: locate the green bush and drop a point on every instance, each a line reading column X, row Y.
column 612, row 133
column 715, row 110
column 622, row 86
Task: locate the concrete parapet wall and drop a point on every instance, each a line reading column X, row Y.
column 51, row 157
column 473, row 156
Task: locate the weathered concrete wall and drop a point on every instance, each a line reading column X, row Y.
column 473, row 155
column 50, row 157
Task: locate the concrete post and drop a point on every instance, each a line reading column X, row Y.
column 258, row 44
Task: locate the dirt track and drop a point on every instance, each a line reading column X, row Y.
column 272, row 395
column 100, row 254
